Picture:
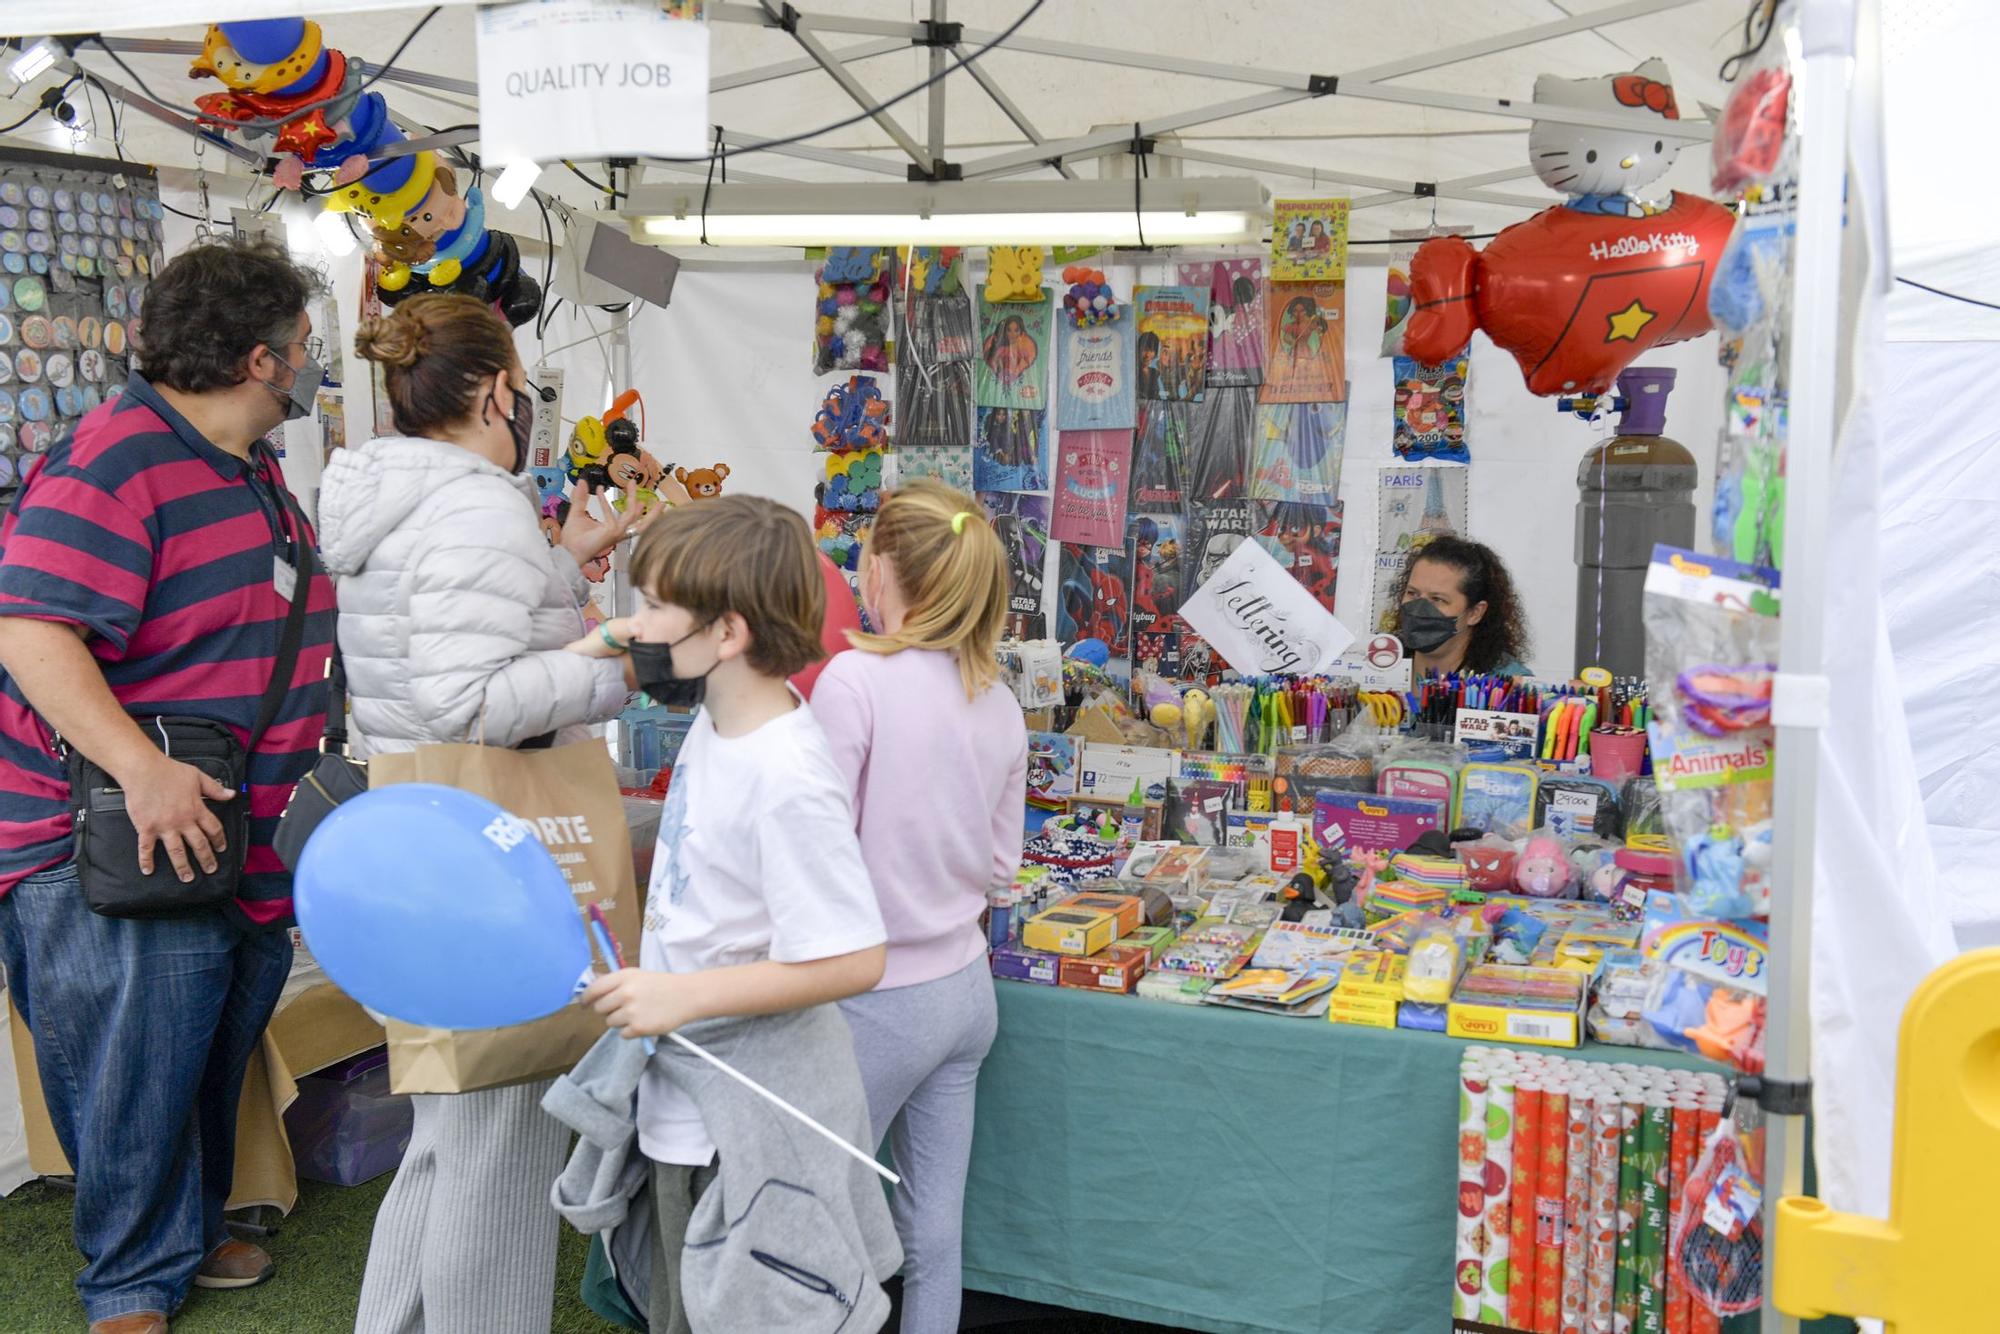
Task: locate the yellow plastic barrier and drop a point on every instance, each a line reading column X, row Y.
column 1925, row 1269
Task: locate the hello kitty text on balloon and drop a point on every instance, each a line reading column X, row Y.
column 1581, row 290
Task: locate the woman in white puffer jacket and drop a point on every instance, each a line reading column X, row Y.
column 454, row 611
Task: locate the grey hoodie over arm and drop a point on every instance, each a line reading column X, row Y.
column 454, row 609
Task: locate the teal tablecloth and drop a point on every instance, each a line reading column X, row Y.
column 1218, row 1170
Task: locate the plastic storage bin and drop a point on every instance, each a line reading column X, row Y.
column 345, row 1125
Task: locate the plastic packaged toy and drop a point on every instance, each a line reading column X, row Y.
column 1543, row 871
column 1498, row 798
column 1712, row 629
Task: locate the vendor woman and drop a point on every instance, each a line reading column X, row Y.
column 1458, row 610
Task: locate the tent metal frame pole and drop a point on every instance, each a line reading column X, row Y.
column 934, row 115
column 1799, row 704
column 831, row 156
column 1008, row 106
column 785, row 69
column 1401, row 189
column 801, row 31
column 720, row 11
column 164, row 114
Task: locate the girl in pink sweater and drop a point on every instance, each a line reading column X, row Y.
column 937, row 753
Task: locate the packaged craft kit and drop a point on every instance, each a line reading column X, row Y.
column 1546, row 865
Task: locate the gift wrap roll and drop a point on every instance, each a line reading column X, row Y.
column 1601, row 1264
column 1680, row 1163
column 1625, row 1306
column 1655, row 1140
column 1521, row 1230
column 1551, row 1183
column 1576, row 1209
column 1469, row 1263
column 1499, row 1187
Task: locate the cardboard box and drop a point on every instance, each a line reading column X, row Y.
column 1539, row 1006
column 1129, row 909
column 1362, row 1014
column 1017, row 964
column 1155, row 940
column 1116, row 969
column 1108, row 771
column 1067, row 930
column 1373, row 975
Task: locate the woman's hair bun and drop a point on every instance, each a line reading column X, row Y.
column 395, row 339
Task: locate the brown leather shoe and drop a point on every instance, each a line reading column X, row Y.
column 140, row 1322
column 234, row 1264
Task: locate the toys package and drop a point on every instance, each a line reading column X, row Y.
column 1368, row 821
column 1717, row 1247
column 851, row 331
column 1498, row 798
column 1712, row 630
column 1296, row 947
column 1543, row 870
column 1708, row 997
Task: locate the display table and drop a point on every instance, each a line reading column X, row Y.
column 1200, row 1167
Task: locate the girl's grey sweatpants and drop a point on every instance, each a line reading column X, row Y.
column 919, row 1048
column 465, row 1240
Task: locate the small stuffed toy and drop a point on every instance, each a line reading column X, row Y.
column 703, row 483
column 1489, row 864
column 1543, row 871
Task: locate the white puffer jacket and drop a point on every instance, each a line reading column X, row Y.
column 454, row 609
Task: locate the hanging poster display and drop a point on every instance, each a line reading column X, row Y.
column 1094, row 380
column 1430, row 411
column 1013, row 348
column 1154, row 543
column 1010, row 450
column 950, row 464
column 936, row 348
column 1413, row 505
column 1296, row 451
column 1159, row 456
column 1305, row 539
column 1218, row 445
column 1093, row 474
column 1236, row 318
column 1172, row 355
column 1091, row 600
column 1308, row 240
column 1022, row 523
column 1305, row 357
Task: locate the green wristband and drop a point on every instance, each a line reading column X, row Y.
column 604, row 633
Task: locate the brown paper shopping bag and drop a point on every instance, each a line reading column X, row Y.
column 569, row 797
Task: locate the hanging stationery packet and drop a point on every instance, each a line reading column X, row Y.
column 1575, row 805
column 1498, row 798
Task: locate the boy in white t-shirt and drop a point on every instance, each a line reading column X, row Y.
column 759, row 902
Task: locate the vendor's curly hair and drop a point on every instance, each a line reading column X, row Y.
column 1502, row 633
column 213, row 304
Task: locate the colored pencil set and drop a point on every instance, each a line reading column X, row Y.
column 1569, row 1179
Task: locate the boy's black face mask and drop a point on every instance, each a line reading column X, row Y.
column 653, row 666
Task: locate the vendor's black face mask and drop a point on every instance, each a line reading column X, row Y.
column 653, row 665
column 1423, row 627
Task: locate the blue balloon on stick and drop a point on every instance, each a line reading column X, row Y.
column 437, row 907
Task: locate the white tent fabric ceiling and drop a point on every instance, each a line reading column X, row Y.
column 1063, row 98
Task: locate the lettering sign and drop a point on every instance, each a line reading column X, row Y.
column 1262, row 620
column 590, row 79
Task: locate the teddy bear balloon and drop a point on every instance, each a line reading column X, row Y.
column 1583, row 289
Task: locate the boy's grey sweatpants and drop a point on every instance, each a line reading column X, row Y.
column 465, row 1241
column 919, row 1049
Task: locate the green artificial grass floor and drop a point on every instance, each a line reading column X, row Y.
column 320, row 1251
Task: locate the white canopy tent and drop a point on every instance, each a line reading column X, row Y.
column 1427, row 122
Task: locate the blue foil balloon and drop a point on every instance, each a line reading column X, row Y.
column 438, row 908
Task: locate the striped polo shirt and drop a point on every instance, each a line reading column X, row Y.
column 161, row 545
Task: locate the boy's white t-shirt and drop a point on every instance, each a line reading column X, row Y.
column 757, row 860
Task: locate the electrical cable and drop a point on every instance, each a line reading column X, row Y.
column 49, row 99
column 958, row 62
column 1138, row 171
column 279, row 123
column 1398, row 240
column 598, row 186
column 709, row 185
column 548, row 265
column 1949, row 296
column 1753, row 41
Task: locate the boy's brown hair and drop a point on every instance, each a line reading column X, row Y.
column 741, row 554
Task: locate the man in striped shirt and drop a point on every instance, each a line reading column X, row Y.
column 146, row 569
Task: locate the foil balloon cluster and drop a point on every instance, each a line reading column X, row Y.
column 1089, row 299
column 278, row 73
column 1583, row 289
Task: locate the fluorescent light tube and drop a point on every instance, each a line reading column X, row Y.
column 33, row 62
column 515, row 182
column 1186, row 211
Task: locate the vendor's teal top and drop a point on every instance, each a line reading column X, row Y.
column 1511, row 667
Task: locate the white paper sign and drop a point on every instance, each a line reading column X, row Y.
column 1263, row 620
column 590, row 79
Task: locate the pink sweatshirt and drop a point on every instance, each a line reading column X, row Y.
column 940, row 788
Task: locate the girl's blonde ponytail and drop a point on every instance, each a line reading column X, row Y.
column 953, row 574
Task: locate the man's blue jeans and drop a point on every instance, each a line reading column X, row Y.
column 142, row 1033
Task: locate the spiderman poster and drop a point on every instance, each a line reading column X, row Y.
column 1091, row 600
